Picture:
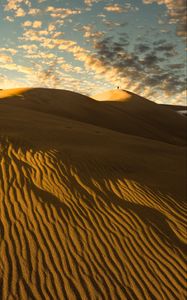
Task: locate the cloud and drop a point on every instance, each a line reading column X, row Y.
column 111, row 24
column 15, row 67
column 15, row 7
column 70, row 46
column 91, row 2
column 56, row 34
column 9, row 19
column 59, row 12
column 168, row 49
column 5, row 58
column 114, row 8
column 177, row 13
column 69, row 68
column 90, row 32
column 7, row 83
column 42, row 56
column 33, row 11
column 20, row 12
column 15, row 4
column 31, row 35
column 51, row 27
column 11, row 50
column 30, row 49
column 66, row 44
column 46, row 76
column 27, row 24
column 40, row 36
column 148, row 73
column 148, row 68
column 37, row 24
column 142, row 48
column 117, row 8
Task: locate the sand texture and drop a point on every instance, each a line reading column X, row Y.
column 92, row 197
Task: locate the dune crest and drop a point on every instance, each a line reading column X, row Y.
column 113, row 95
column 87, row 211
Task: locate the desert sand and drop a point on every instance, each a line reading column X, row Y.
column 92, row 197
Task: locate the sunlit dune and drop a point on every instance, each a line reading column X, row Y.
column 93, row 197
column 113, row 95
column 12, row 92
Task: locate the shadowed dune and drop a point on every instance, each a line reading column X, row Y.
column 127, row 113
column 91, row 207
column 175, row 107
column 181, row 109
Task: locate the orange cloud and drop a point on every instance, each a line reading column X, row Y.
column 5, row 58
column 37, row 24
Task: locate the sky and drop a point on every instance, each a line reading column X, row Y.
column 89, row 46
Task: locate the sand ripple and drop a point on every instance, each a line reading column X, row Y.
column 69, row 232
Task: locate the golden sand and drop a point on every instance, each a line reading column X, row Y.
column 91, row 206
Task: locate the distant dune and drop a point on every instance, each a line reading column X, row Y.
column 93, row 197
column 181, row 109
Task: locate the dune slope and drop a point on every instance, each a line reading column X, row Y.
column 126, row 113
column 87, row 212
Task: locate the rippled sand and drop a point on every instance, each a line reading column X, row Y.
column 91, row 205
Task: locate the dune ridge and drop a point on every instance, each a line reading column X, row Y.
column 88, row 212
column 137, row 116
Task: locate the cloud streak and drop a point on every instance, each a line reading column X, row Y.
column 117, row 8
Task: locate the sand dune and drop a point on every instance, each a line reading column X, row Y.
column 180, row 109
column 91, row 207
column 136, row 116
